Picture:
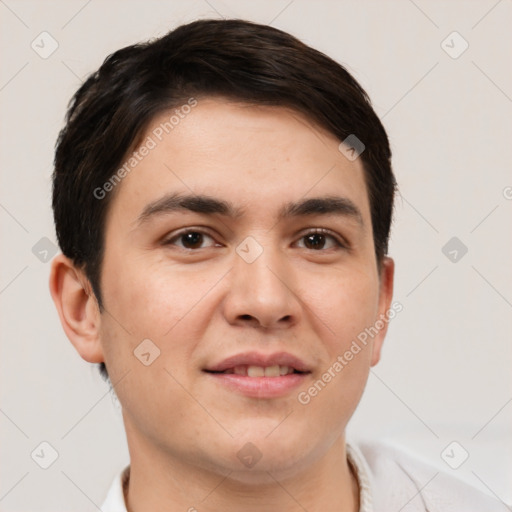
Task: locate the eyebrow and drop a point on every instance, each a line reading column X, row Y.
column 208, row 205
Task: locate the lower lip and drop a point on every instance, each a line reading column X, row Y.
column 260, row 387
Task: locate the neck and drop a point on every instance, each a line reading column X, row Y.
column 157, row 482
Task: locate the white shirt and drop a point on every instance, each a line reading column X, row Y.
column 390, row 480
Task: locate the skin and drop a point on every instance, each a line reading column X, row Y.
column 200, row 305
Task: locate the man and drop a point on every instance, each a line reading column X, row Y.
column 223, row 198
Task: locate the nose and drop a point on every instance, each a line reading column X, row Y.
column 263, row 293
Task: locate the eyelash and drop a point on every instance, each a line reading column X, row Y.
column 316, row 231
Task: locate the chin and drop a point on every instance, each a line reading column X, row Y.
column 258, row 452
column 271, row 467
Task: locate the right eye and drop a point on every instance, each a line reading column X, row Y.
column 190, row 239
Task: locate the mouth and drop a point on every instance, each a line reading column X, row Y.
column 257, row 364
column 260, row 375
column 258, row 371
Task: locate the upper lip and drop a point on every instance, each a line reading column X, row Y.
column 259, row 359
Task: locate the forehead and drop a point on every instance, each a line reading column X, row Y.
column 257, row 157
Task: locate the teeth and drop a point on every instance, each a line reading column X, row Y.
column 260, row 371
column 255, row 371
column 272, row 371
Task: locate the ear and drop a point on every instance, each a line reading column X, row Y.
column 385, row 296
column 77, row 307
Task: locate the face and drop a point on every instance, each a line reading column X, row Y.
column 248, row 267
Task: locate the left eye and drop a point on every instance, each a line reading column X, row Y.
column 317, row 240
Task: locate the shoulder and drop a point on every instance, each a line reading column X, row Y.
column 402, row 481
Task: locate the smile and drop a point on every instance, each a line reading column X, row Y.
column 259, row 371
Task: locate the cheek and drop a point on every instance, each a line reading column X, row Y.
column 346, row 307
column 154, row 301
column 152, row 297
column 150, row 313
column 347, row 303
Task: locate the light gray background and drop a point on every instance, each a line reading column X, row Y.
column 445, row 373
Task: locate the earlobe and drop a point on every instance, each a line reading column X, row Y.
column 77, row 308
column 385, row 297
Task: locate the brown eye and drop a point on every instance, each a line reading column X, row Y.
column 314, row 241
column 192, row 240
column 189, row 239
column 317, row 241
